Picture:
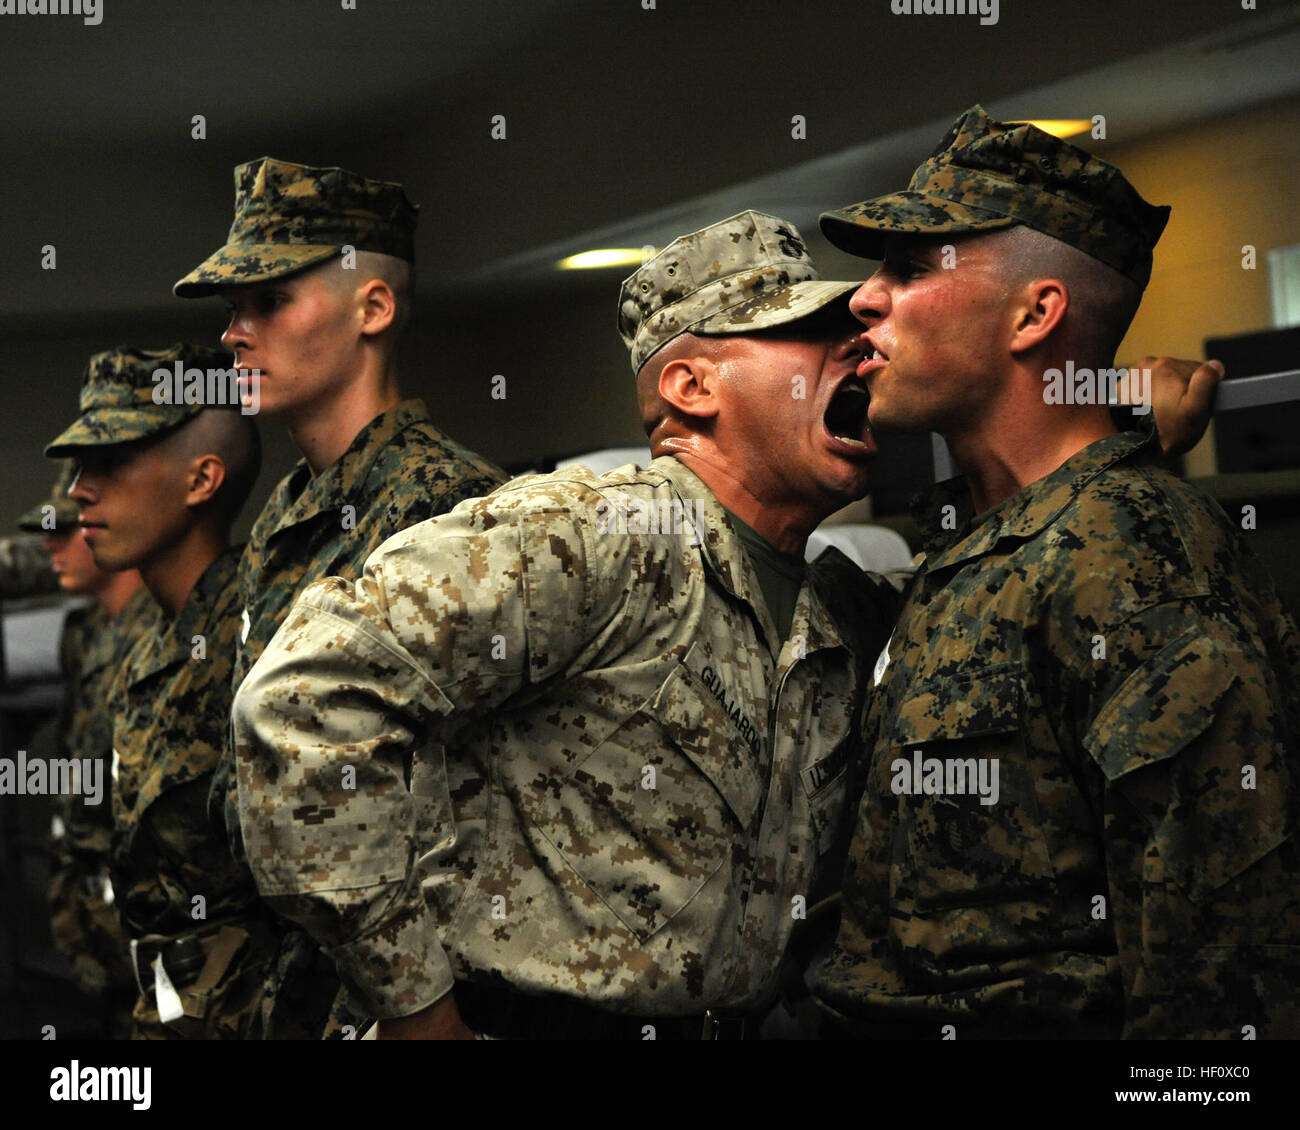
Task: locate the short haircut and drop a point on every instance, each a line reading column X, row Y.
column 397, row 273
column 1102, row 300
column 234, row 439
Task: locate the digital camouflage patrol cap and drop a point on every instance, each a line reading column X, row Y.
column 58, row 513
column 289, row 217
column 986, row 175
column 748, row 272
column 122, row 401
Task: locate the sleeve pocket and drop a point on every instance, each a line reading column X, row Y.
column 1161, row 708
column 1173, row 741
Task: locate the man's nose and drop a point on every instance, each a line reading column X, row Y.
column 80, row 491
column 870, row 302
column 237, row 334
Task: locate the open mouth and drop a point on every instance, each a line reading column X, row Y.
column 846, row 415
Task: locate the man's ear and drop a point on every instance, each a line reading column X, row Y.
column 379, row 307
column 205, row 476
column 1038, row 310
column 690, row 385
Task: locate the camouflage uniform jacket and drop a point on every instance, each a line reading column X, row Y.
column 1106, row 636
column 529, row 749
column 172, row 718
column 398, row 471
column 83, row 920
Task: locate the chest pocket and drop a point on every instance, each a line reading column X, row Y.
column 659, row 806
column 970, row 831
column 161, row 746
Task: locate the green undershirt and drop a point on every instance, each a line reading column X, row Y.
column 780, row 575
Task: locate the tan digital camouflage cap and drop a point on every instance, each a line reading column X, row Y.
column 289, row 217
column 748, row 272
column 986, row 175
column 122, row 402
column 64, row 509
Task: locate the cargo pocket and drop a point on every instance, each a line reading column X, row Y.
column 1205, row 836
column 976, row 837
column 652, row 813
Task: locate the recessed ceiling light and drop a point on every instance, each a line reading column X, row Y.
column 606, row 257
column 1059, row 127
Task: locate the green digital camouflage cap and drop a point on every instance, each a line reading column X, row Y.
column 289, row 217
column 986, row 175
column 748, row 272
column 122, row 400
column 58, row 513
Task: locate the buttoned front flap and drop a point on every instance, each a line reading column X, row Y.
column 722, row 746
column 969, row 822
column 1203, row 767
column 651, row 814
column 965, row 705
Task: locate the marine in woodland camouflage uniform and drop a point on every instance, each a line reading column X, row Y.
column 191, row 911
column 84, row 921
column 1107, row 640
column 553, row 747
column 398, row 470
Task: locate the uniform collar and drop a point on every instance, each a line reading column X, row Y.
column 174, row 640
column 726, row 556
column 111, row 640
column 1031, row 509
column 302, row 496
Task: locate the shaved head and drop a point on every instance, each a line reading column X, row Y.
column 1102, row 301
column 397, row 274
column 232, row 437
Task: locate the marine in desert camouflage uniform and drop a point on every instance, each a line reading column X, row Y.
column 306, row 242
column 594, row 741
column 157, row 488
column 1088, row 625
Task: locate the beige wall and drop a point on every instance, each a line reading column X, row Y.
column 1231, row 182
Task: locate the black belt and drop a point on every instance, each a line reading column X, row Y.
column 506, row 1014
column 183, row 955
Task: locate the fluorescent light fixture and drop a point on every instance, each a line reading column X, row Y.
column 1060, row 127
column 606, row 257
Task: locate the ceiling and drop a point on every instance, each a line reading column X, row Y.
column 624, row 124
